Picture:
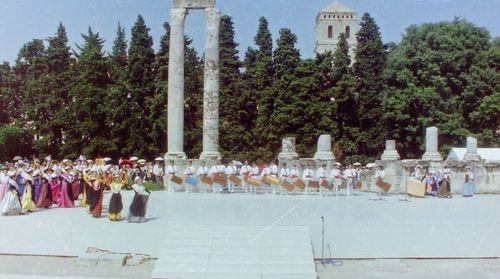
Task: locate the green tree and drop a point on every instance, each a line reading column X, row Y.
column 345, row 99
column 159, row 102
column 7, row 93
column 15, row 141
column 279, row 95
column 60, row 79
column 88, row 133
column 427, row 76
column 234, row 133
column 140, row 78
column 258, row 77
column 368, row 69
column 193, row 101
column 119, row 99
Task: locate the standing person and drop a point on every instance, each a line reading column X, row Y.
column 357, row 176
column 380, row 176
column 307, row 175
column 336, row 177
column 321, row 175
column 158, row 170
column 115, row 202
column 189, row 172
column 4, row 182
column 65, row 195
column 171, row 170
column 349, row 175
column 254, row 174
column 284, row 174
column 55, row 185
column 202, row 172
column 11, row 203
column 230, row 170
column 45, row 198
column 95, row 207
column 244, row 174
column 468, row 190
column 137, row 208
column 27, row 202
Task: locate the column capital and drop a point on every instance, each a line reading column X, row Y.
column 178, row 15
column 212, row 13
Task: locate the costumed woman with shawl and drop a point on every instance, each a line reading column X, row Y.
column 28, row 200
column 95, row 206
column 45, row 198
column 11, row 204
column 115, row 202
column 138, row 207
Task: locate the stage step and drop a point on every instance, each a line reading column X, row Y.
column 206, row 252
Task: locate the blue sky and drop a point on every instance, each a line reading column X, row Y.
column 24, row 20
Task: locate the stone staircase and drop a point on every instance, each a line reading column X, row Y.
column 249, row 252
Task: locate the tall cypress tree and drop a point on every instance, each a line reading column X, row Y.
column 259, row 77
column 118, row 101
column 346, row 113
column 193, row 101
column 6, row 93
column 141, row 87
column 60, row 75
column 286, row 60
column 159, row 103
column 87, row 113
column 368, row 69
column 233, row 109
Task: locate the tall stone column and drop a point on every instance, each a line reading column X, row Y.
column 176, row 85
column 431, row 145
column 390, row 152
column 471, row 154
column 211, row 86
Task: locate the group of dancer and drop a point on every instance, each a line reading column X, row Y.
column 267, row 178
column 438, row 182
column 30, row 186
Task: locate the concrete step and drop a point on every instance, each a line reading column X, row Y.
column 235, row 252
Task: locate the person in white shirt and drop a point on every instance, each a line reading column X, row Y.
column 189, row 172
column 202, row 172
column 336, row 177
column 254, row 174
column 284, row 175
column 245, row 171
column 266, row 171
column 218, row 169
column 158, row 170
column 230, row 170
column 321, row 175
column 349, row 175
column 171, row 170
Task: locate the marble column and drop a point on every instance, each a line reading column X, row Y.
column 176, row 85
column 390, row 152
column 211, row 86
column 431, row 145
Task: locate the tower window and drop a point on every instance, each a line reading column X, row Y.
column 347, row 32
column 330, row 32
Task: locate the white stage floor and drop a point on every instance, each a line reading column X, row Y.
column 355, row 226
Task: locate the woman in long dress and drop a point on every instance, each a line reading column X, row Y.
column 95, row 206
column 138, row 207
column 11, row 204
column 28, row 202
column 4, row 183
column 115, row 202
column 65, row 195
column 45, row 198
column 55, row 186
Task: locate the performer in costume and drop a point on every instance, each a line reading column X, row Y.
column 45, row 198
column 349, row 175
column 95, row 207
column 284, row 176
column 138, row 207
column 202, row 172
column 11, row 204
column 115, row 202
column 321, row 175
column 55, row 185
column 27, row 202
column 171, row 170
column 189, row 172
column 4, row 182
column 244, row 174
column 66, row 195
column 230, row 170
column 158, row 170
column 336, row 177
column 468, row 190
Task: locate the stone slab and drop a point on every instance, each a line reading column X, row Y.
column 194, row 4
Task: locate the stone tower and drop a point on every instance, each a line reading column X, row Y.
column 336, row 18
